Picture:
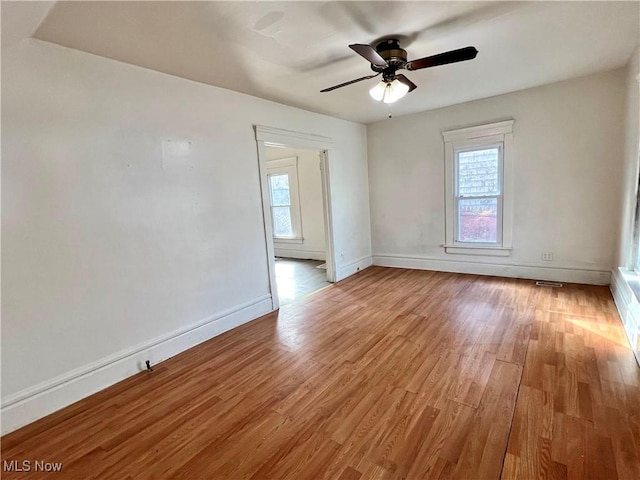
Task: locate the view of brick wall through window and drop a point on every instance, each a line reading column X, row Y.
column 478, row 179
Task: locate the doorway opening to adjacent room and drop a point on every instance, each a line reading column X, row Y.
column 294, row 174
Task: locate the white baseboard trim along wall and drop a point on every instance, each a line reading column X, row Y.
column 568, row 275
column 628, row 308
column 302, row 254
column 36, row 402
column 356, row 266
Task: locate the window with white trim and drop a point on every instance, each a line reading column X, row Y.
column 282, row 178
column 478, row 189
column 478, row 196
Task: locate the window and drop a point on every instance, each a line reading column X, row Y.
column 281, row 205
column 478, row 177
column 282, row 176
column 478, row 199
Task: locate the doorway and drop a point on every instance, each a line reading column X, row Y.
column 294, row 180
column 296, row 201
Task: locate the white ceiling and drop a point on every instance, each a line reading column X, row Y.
column 289, row 51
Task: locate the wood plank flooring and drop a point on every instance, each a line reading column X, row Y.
column 390, row 374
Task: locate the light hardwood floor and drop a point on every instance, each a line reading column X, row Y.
column 298, row 278
column 390, row 374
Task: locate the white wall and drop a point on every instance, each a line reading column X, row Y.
column 630, row 166
column 311, row 207
column 568, row 141
column 112, row 248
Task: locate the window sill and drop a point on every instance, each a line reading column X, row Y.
column 297, row 240
column 478, row 250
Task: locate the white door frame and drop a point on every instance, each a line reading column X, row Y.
column 276, row 137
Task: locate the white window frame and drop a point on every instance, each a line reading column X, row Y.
column 634, row 262
column 457, row 197
column 287, row 166
column 497, row 134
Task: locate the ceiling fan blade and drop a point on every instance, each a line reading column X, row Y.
column 369, row 53
column 349, row 83
column 412, row 86
column 460, row 55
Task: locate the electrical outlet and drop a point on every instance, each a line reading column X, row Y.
column 547, row 256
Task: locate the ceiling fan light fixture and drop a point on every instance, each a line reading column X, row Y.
column 395, row 91
column 387, row 58
column 378, row 92
column 389, row 91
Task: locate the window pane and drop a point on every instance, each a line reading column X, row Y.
column 282, row 222
column 478, row 220
column 280, row 190
column 478, row 173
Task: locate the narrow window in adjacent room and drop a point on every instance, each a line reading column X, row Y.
column 281, row 205
column 478, row 171
column 283, row 195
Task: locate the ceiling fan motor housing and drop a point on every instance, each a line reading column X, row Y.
column 395, row 56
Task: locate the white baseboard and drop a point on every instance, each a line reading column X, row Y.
column 41, row 400
column 628, row 308
column 569, row 275
column 349, row 269
column 301, row 254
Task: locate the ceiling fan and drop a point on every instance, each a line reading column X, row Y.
column 387, row 58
